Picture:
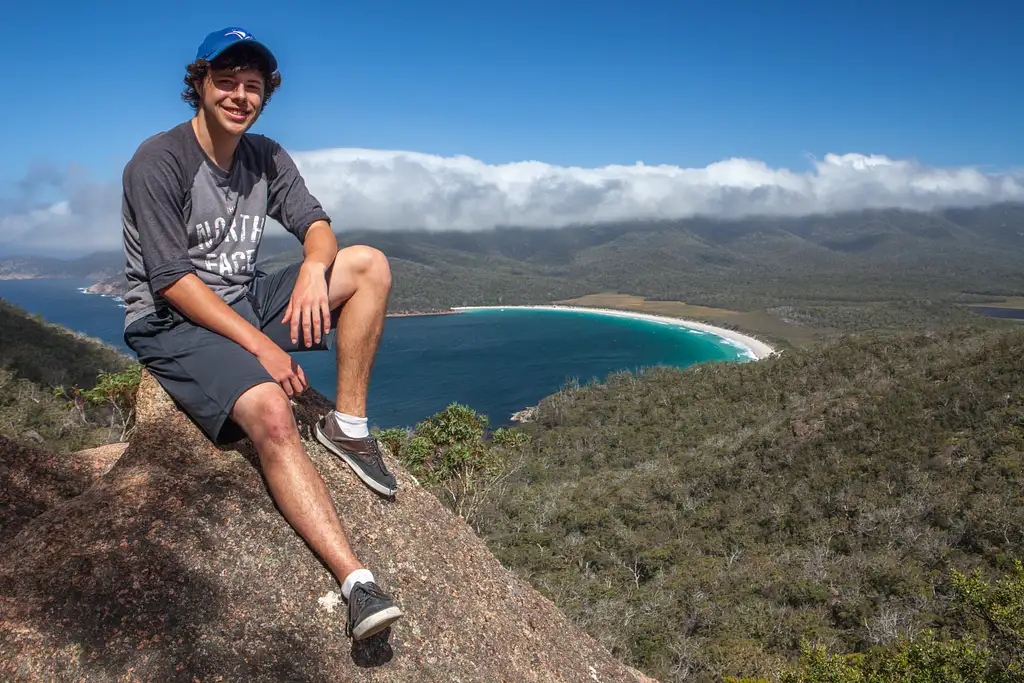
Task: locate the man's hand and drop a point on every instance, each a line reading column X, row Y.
column 195, row 300
column 309, row 308
column 282, row 368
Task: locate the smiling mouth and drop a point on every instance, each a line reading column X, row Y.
column 237, row 114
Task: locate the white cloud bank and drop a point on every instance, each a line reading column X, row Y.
column 394, row 190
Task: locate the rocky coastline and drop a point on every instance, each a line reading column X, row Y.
column 528, row 414
column 106, row 289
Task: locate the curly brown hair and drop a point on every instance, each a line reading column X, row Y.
column 236, row 59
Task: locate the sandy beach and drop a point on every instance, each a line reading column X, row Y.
column 753, row 349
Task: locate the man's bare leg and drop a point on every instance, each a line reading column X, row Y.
column 361, row 280
column 264, row 412
column 360, row 284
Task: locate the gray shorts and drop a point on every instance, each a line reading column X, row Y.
column 205, row 372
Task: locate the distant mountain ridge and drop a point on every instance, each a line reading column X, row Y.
column 95, row 265
column 745, row 264
column 999, row 225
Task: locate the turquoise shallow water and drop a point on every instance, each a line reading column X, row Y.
column 495, row 361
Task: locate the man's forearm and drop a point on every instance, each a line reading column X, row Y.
column 321, row 245
column 196, row 301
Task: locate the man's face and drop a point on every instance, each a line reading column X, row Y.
column 233, row 100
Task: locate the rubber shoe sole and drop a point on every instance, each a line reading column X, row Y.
column 375, row 623
column 366, row 479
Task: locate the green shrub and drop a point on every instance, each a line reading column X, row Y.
column 114, row 391
column 451, row 455
column 994, row 656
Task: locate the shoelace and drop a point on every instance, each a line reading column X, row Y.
column 377, row 456
column 360, row 595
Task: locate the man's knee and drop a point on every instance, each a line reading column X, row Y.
column 366, row 264
column 265, row 414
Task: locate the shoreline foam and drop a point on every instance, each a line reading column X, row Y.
column 753, row 349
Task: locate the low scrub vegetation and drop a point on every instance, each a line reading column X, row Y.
column 991, row 652
column 455, row 456
column 709, row 521
column 60, row 390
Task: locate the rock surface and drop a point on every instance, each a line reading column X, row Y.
column 33, row 480
column 98, row 461
column 176, row 566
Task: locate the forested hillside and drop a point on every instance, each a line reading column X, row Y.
column 707, row 519
column 60, row 389
column 704, row 522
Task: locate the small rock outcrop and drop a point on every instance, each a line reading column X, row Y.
column 176, row 566
column 528, row 414
column 98, row 461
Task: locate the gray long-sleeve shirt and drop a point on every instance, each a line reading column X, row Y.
column 183, row 214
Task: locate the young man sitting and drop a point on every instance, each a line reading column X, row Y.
column 216, row 332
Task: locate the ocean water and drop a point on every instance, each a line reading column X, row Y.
column 495, row 361
column 997, row 312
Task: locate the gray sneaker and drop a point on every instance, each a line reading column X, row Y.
column 370, row 611
column 362, row 455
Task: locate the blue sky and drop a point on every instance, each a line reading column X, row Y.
column 566, row 82
column 570, row 83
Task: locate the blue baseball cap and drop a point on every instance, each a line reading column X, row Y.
column 219, row 41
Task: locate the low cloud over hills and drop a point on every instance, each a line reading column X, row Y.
column 384, row 190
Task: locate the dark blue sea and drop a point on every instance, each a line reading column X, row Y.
column 495, row 361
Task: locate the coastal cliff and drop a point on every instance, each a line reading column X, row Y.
column 175, row 565
column 106, row 288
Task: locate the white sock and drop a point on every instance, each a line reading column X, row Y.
column 353, row 427
column 358, row 576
